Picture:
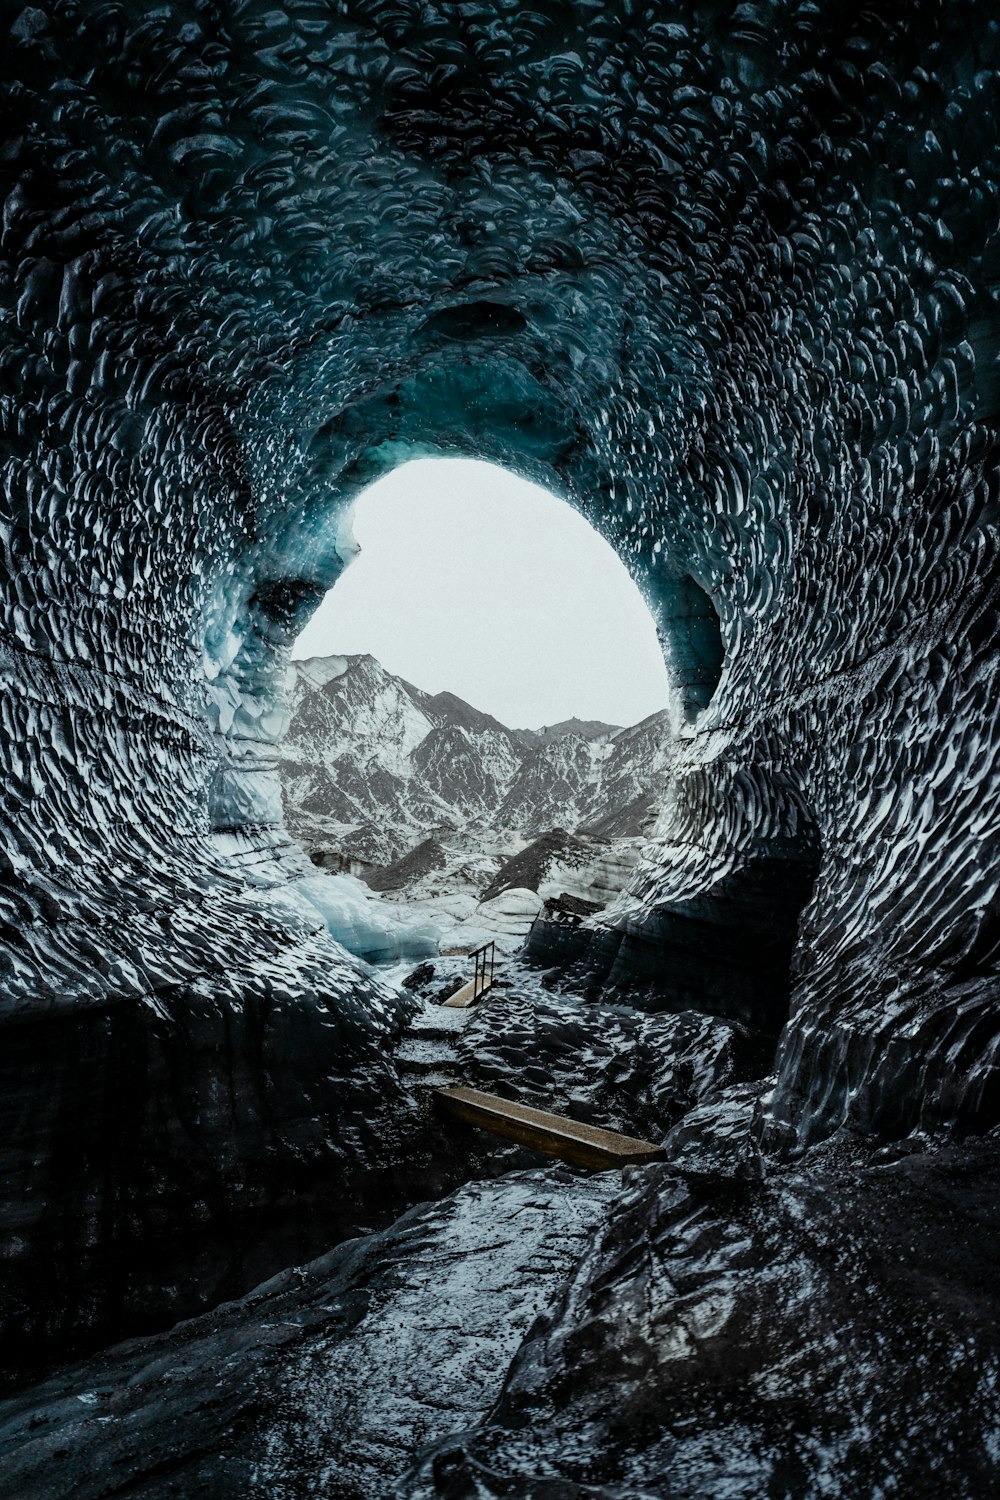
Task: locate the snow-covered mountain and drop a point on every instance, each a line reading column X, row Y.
column 372, row 766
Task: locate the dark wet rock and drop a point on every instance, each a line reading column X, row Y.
column 568, row 908
column 343, row 860
column 606, row 1065
column 718, row 1136
column 727, row 951
column 450, row 987
column 831, row 1331
column 420, row 978
column 327, row 1380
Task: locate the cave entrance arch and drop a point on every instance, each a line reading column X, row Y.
column 473, row 668
column 472, row 579
column 481, row 385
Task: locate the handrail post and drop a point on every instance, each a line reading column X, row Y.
column 484, row 960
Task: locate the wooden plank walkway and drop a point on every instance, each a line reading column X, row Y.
column 553, row 1135
column 469, row 994
column 484, row 959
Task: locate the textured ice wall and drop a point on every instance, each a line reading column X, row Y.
column 726, row 276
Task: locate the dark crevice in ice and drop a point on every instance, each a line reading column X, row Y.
column 730, row 951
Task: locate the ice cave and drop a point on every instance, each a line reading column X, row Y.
column 726, row 276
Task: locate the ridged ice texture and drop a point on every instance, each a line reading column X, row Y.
column 725, row 276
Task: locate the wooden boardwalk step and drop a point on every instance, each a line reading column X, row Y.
column 469, row 994
column 553, row 1135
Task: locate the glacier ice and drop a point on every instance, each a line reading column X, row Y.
column 375, row 930
column 727, row 279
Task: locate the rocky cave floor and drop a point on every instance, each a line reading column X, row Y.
column 721, row 1325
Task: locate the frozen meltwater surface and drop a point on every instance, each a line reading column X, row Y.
column 428, row 1358
column 329, row 1380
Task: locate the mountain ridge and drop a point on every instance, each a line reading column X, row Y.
column 372, row 766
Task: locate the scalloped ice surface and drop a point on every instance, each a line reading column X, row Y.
column 725, row 276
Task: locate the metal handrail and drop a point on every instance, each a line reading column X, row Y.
column 483, row 958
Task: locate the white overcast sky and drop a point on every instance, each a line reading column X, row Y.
column 475, row 581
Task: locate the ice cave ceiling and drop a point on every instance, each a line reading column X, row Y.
column 726, row 276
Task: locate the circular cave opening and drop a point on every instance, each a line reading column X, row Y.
column 480, row 718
